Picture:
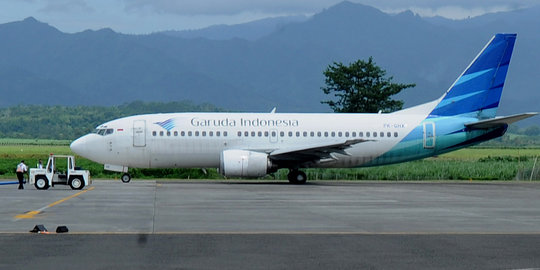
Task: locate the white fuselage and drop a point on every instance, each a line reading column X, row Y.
column 194, row 140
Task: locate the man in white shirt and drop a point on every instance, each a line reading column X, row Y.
column 21, row 169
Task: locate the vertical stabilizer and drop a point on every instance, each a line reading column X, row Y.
column 476, row 93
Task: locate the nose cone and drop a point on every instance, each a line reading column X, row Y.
column 91, row 146
column 77, row 146
column 80, row 146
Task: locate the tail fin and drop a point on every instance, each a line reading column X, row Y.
column 476, row 93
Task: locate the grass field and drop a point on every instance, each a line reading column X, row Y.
column 465, row 164
column 476, row 153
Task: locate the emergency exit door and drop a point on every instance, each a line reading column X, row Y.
column 139, row 133
column 429, row 135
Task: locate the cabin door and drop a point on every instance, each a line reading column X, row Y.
column 139, row 133
column 429, row 135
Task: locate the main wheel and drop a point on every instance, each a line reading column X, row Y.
column 126, row 178
column 76, row 183
column 41, row 182
column 297, row 177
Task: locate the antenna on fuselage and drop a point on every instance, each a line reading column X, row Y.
column 273, row 110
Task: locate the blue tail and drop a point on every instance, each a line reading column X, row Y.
column 476, row 93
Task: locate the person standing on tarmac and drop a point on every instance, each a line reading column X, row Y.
column 21, row 169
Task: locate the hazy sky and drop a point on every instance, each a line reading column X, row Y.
column 146, row 16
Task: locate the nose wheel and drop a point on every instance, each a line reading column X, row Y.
column 126, row 177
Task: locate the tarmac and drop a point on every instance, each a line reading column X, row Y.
column 272, row 225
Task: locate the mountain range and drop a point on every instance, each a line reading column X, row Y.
column 270, row 63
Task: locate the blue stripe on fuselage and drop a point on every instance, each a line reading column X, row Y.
column 450, row 134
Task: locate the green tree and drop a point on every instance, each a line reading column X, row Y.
column 361, row 87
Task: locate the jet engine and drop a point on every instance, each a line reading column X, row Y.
column 243, row 163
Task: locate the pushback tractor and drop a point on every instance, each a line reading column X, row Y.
column 60, row 170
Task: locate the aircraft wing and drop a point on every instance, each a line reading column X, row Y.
column 498, row 121
column 315, row 152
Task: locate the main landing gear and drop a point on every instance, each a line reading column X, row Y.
column 297, row 177
column 126, row 177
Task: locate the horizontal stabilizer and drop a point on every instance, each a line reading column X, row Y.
column 499, row 121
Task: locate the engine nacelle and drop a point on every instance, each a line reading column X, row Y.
column 242, row 163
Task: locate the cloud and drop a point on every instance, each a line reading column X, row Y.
column 452, row 12
column 456, row 12
column 63, row 6
column 144, row 16
column 444, row 3
column 455, row 9
column 228, row 7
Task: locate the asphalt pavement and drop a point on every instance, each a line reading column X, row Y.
column 273, row 225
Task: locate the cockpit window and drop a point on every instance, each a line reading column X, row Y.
column 104, row 131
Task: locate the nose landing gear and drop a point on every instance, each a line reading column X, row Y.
column 126, row 177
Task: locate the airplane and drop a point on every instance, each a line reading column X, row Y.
column 251, row 145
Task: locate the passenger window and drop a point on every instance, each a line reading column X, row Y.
column 218, row 133
column 360, row 134
column 374, row 134
column 204, row 133
column 354, row 134
column 298, row 134
column 253, row 134
column 319, row 134
column 333, row 134
column 388, row 134
column 168, row 133
column 266, row 134
column 326, row 134
column 246, row 134
column 190, row 133
column 175, row 133
column 211, row 134
column 274, row 134
column 290, row 133
column 182, row 133
column 281, row 134
column 395, row 134
column 161, row 133
column 154, row 133
column 224, row 133
column 347, row 134
column 196, row 133
column 305, row 133
column 340, row 134
column 259, row 134
column 239, row 133
column 368, row 134
column 312, row 134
